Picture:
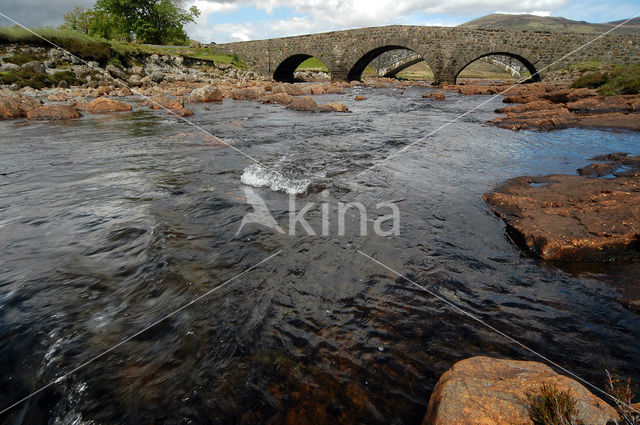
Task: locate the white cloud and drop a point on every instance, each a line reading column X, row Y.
column 327, row 15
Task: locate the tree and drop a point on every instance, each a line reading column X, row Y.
column 77, row 20
column 151, row 21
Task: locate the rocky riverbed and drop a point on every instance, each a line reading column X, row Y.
column 335, row 341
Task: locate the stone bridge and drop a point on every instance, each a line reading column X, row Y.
column 447, row 50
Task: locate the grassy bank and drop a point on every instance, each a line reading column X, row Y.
column 105, row 51
column 610, row 79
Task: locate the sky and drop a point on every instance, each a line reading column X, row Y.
column 234, row 20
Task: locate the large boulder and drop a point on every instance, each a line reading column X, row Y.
column 577, row 218
column 35, row 66
column 157, row 76
column 489, row 391
column 278, row 98
column 116, row 72
column 303, row 103
column 103, row 104
column 335, row 107
column 205, row 94
column 248, row 93
column 13, row 105
column 288, row 88
column 53, row 112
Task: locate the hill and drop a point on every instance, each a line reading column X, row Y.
column 544, row 23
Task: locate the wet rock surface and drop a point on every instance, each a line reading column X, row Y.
column 582, row 217
column 488, row 391
column 549, row 106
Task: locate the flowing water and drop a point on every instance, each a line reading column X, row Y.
column 109, row 223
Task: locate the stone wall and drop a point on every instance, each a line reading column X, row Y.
column 446, row 50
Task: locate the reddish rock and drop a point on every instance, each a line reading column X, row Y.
column 566, row 217
column 514, row 99
column 57, row 97
column 479, row 90
column 249, row 93
column 159, row 102
column 317, row 90
column 103, row 90
column 537, row 105
column 125, row 92
column 610, row 120
column 205, row 94
column 489, row 391
column 279, row 98
column 16, row 106
column 290, row 89
column 537, row 119
column 103, row 104
column 577, row 94
column 359, row 97
column 435, row 96
column 602, row 104
column 333, row 90
column 181, row 112
column 53, row 112
column 335, row 107
column 303, row 103
column 557, row 96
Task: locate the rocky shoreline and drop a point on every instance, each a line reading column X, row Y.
column 551, row 106
column 166, row 82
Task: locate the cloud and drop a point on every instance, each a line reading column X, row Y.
column 38, row 13
column 309, row 16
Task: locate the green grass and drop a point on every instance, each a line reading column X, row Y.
column 619, row 79
column 77, row 43
column 105, row 51
column 312, row 64
column 585, row 66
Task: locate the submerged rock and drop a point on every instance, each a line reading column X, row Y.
column 571, row 217
column 489, row 391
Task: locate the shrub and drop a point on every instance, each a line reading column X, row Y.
column 624, row 79
column 8, row 78
column 622, row 391
column 592, row 80
column 549, row 406
column 21, row 58
column 67, row 76
column 115, row 62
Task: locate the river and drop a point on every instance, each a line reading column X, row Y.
column 109, row 223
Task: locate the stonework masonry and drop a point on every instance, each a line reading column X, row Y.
column 446, row 50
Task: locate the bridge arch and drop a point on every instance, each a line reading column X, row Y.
column 284, row 72
column 364, row 57
column 526, row 58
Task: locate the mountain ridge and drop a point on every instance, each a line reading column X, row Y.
column 549, row 23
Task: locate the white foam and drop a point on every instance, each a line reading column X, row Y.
column 256, row 176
